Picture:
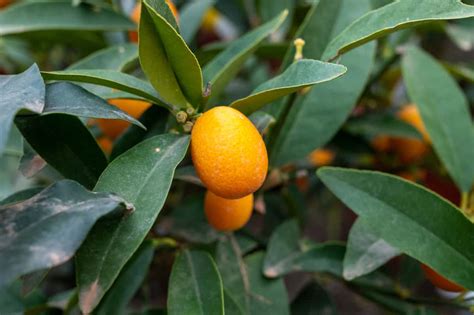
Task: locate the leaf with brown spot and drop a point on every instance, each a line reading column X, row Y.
column 143, row 176
column 32, row 232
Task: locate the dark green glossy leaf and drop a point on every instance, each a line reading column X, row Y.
column 268, row 296
column 287, row 253
column 154, row 119
column 191, row 15
column 112, row 58
column 195, row 285
column 300, row 74
column 410, row 218
column 190, row 223
column 22, row 91
column 67, row 98
column 66, row 144
column 21, row 195
column 365, row 251
column 271, row 8
column 32, row 231
column 392, row 17
column 230, row 306
column 370, row 126
column 116, row 58
column 312, row 301
column 32, row 280
column 141, row 175
column 246, row 243
column 109, row 78
column 10, row 160
column 445, row 113
column 323, row 19
column 59, row 15
column 167, row 61
column 316, row 117
column 225, row 66
column 229, row 259
column 128, row 282
column 13, row 302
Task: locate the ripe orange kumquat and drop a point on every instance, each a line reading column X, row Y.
column 321, row 157
column 439, row 281
column 4, row 3
column 135, row 16
column 112, row 128
column 105, row 144
column 411, row 150
column 227, row 214
column 381, row 143
column 228, row 153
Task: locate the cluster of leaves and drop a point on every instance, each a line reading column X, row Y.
column 105, row 210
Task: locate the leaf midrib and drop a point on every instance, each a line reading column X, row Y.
column 406, row 216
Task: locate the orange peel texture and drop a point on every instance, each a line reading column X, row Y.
column 228, row 153
column 227, row 214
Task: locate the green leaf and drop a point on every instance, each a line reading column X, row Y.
column 21, row 195
column 154, row 119
column 271, row 8
column 66, row 144
column 365, row 251
column 316, row 117
column 70, row 99
column 143, row 176
column 442, row 102
column 323, row 19
column 268, row 296
column 128, row 282
column 32, row 231
column 300, row 74
column 313, row 300
column 189, row 222
column 225, row 66
column 410, row 218
column 229, row 260
column 10, row 161
column 191, row 15
column 22, row 91
column 287, row 253
column 60, row 15
column 393, row 17
column 370, row 126
column 461, row 35
column 111, row 58
column 109, row 78
column 116, row 58
column 167, row 61
column 195, row 285
column 31, row 281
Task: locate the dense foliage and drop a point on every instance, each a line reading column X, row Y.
column 335, row 138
